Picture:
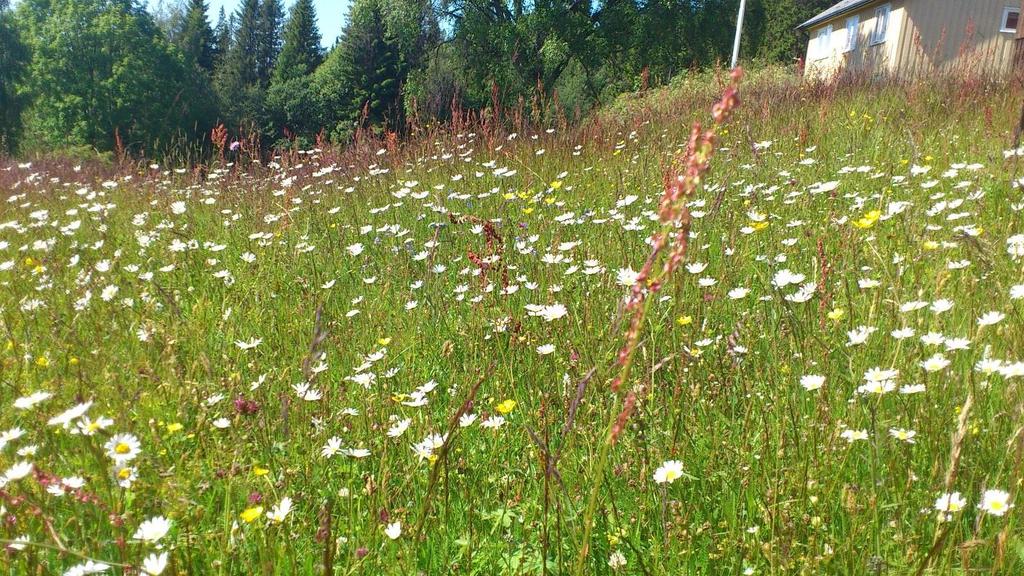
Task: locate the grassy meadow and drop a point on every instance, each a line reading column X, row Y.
column 399, row 360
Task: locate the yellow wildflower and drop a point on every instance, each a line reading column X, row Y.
column 250, row 514
column 869, row 219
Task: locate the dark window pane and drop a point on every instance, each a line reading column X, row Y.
column 1012, row 19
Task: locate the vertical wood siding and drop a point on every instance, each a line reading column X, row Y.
column 924, row 37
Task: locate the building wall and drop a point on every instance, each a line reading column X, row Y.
column 825, row 59
column 960, row 36
column 923, row 37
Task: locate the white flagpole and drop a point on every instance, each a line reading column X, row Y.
column 739, row 32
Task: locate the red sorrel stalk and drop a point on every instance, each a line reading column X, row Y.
column 668, row 250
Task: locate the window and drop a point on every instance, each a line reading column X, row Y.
column 824, row 42
column 852, row 27
column 881, row 24
column 1011, row 18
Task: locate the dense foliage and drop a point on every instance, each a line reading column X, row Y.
column 108, row 74
column 13, row 55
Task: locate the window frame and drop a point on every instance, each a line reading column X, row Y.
column 823, row 41
column 851, row 37
column 1006, row 14
column 880, row 33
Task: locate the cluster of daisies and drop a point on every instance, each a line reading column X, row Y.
column 494, row 252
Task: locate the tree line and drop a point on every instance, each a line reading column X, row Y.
column 110, row 74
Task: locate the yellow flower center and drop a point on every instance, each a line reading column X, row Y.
column 122, row 448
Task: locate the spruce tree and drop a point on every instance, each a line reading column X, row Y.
column 268, row 43
column 222, row 36
column 290, row 106
column 301, row 52
column 196, row 39
column 363, row 74
column 237, row 82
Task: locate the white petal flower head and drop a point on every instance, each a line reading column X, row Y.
column 87, row 567
column 852, row 436
column 26, row 402
column 669, row 472
column 626, row 277
column 1012, row 369
column 990, row 318
column 737, row 293
column 399, row 428
column 903, row 435
column 950, row 502
column 935, row 363
column 1015, row 246
column 16, row 472
column 812, row 382
column 153, row 530
column 70, row 415
column 19, row 543
column 1017, row 292
column 912, row 389
column 123, row 448
column 252, row 343
column 278, row 513
column 393, row 530
column 995, row 502
column 553, row 312
column 785, row 277
column 877, row 387
column 332, row 447
column 902, row 333
column 493, row 422
column 155, row 564
column 859, row 335
column 880, row 375
column 912, row 306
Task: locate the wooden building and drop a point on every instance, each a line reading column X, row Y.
column 908, row 38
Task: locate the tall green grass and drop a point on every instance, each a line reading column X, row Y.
column 771, row 484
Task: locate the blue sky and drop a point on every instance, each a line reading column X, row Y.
column 330, row 15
